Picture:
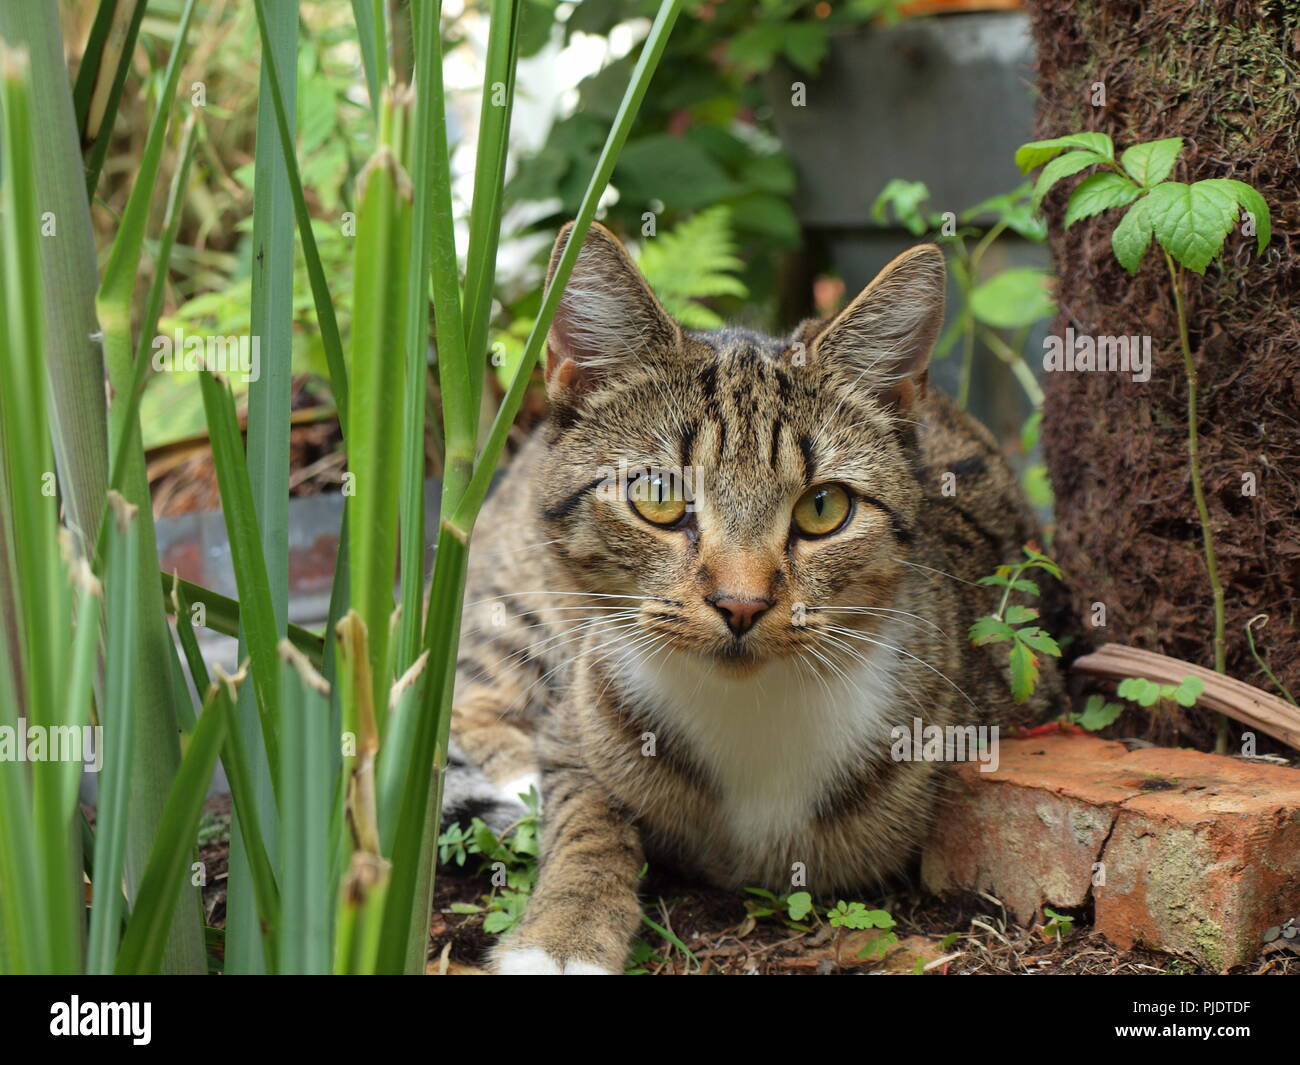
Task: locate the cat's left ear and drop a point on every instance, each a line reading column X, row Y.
column 886, row 335
column 607, row 317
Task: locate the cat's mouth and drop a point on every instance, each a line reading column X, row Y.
column 738, row 656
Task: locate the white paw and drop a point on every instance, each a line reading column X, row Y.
column 533, row 961
column 511, row 790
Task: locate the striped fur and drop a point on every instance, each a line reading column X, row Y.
column 593, row 656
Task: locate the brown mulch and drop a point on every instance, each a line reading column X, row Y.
column 1225, row 76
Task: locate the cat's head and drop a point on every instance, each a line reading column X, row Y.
column 739, row 494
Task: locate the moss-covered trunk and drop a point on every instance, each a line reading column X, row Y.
column 1225, row 76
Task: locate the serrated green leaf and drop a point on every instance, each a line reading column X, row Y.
column 988, row 630
column 1062, row 167
column 1013, row 298
column 1036, row 153
column 1024, row 672
column 1249, row 200
column 1039, row 640
column 1150, row 163
column 1018, row 615
column 1191, row 221
column 1097, row 193
column 1132, row 237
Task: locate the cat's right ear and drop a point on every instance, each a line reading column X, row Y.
column 607, row 317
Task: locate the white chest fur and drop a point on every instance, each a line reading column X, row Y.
column 775, row 742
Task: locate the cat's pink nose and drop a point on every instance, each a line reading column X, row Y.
column 740, row 614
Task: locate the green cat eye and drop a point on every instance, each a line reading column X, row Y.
column 657, row 496
column 822, row 509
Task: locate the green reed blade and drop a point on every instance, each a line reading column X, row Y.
column 222, row 615
column 304, row 791
column 101, row 77
column 257, row 615
column 325, row 317
column 651, row 51
column 118, row 717
column 173, row 847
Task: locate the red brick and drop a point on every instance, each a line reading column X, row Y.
column 1199, row 854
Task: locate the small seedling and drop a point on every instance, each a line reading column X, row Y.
column 1059, row 925
column 856, row 916
column 790, row 910
column 1190, row 223
column 515, row 850
column 1013, row 622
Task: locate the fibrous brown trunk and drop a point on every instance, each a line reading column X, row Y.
column 1225, row 76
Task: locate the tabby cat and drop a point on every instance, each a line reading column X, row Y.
column 712, row 583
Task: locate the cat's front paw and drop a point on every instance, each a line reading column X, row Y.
column 536, row 961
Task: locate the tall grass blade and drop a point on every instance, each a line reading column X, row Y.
column 101, row 77
column 257, row 615
column 68, row 267
column 382, row 257
column 269, row 401
column 173, row 847
column 325, row 317
column 305, row 790
column 118, row 717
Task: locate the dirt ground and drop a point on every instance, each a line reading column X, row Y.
column 972, row 935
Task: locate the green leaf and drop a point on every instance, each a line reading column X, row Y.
column 1013, row 298
column 660, row 166
column 1249, row 200
column 1097, row 193
column 1039, row 640
column 1188, row 691
column 905, row 198
column 1018, row 615
column 1132, row 237
column 1150, row 163
column 173, row 847
column 1062, row 167
column 1036, row 153
column 1024, row 672
column 694, row 260
column 988, row 630
column 799, row 905
column 1191, row 221
column 1098, row 713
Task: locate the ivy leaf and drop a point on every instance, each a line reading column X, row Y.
column 1039, row 640
column 1024, row 672
column 1191, row 221
column 1097, row 193
column 1150, row 163
column 1018, row 615
column 988, row 630
column 1036, row 153
column 1013, row 298
column 1098, row 713
column 1132, row 237
column 1062, row 167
